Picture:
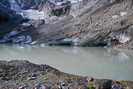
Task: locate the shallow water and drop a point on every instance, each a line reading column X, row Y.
column 97, row 62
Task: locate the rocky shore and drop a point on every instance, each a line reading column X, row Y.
column 25, row 75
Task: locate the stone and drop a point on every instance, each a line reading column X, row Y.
column 124, row 38
column 22, row 87
column 22, row 39
column 104, row 84
column 123, row 13
column 90, row 79
column 115, row 16
column 56, row 8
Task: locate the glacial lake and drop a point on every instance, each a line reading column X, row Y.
column 104, row 63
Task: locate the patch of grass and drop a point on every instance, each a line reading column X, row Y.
column 127, row 82
column 91, row 85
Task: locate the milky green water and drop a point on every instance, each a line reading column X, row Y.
column 97, row 62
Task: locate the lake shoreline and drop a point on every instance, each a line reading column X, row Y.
column 25, row 75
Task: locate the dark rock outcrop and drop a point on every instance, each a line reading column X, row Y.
column 24, row 4
column 6, row 14
column 15, row 24
column 8, row 19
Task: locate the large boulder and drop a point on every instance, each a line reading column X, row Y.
column 57, row 8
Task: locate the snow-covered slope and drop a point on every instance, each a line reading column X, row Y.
column 14, row 6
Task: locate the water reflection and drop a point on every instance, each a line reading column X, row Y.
column 97, row 62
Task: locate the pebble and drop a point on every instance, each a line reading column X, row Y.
column 31, row 78
column 90, row 79
column 115, row 87
column 115, row 16
column 40, row 86
column 22, row 87
column 63, row 84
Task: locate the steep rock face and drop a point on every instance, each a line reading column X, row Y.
column 102, row 23
column 24, row 4
column 5, row 2
column 6, row 12
column 21, row 17
column 8, row 18
column 89, row 23
column 54, row 9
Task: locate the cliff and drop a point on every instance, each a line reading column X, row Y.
column 104, row 23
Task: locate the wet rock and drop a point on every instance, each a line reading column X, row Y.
column 61, row 43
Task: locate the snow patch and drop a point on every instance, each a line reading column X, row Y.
column 33, row 14
column 26, row 24
column 75, row 1
column 14, row 6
